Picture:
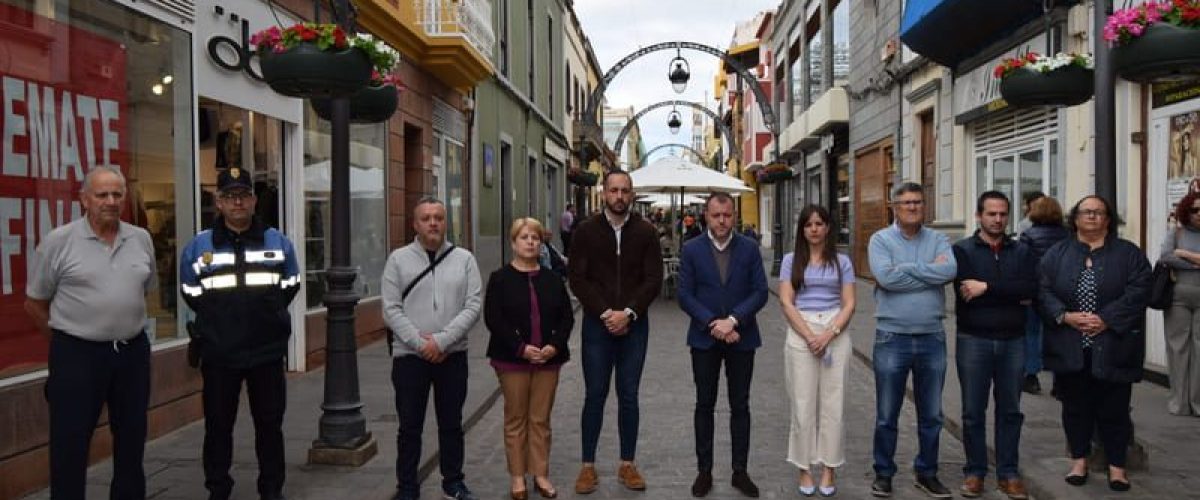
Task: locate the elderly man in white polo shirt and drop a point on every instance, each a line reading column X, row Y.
column 86, row 292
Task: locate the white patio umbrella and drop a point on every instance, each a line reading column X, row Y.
column 664, row 200
column 675, row 175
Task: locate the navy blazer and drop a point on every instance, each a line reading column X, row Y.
column 702, row 296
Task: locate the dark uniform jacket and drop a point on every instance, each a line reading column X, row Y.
column 240, row 285
column 1122, row 288
column 603, row 277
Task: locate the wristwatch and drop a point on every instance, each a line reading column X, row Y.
column 733, row 319
column 1058, row 320
column 632, row 315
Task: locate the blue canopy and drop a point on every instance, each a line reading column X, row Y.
column 951, row 31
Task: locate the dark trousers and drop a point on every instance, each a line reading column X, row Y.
column 603, row 353
column 706, row 372
column 992, row 367
column 566, row 241
column 267, row 392
column 412, row 377
column 1089, row 404
column 85, row 376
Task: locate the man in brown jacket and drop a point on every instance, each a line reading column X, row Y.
column 616, row 272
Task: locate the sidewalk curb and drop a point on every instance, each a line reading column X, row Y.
column 426, row 469
column 953, row 426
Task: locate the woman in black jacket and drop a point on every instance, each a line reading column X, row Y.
column 529, row 315
column 1046, row 217
column 1092, row 294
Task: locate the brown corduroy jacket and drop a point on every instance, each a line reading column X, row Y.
column 603, row 278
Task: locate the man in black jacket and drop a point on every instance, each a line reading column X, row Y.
column 996, row 280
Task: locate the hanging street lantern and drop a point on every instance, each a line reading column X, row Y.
column 679, row 73
column 674, row 122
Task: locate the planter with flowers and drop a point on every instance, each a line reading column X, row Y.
column 583, row 178
column 378, row 100
column 311, row 60
column 1037, row 80
column 775, row 172
column 1156, row 41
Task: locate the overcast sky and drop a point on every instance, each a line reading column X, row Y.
column 620, row 27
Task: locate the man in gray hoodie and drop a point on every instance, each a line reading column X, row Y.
column 431, row 298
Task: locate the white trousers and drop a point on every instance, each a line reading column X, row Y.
column 816, row 389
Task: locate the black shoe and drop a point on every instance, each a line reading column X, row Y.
column 742, row 482
column 702, row 485
column 1117, row 485
column 273, row 497
column 882, row 487
column 931, row 486
column 1032, row 385
column 458, row 492
column 1075, row 480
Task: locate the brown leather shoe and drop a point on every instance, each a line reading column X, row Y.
column 972, row 487
column 586, row 482
column 1014, row 488
column 629, row 476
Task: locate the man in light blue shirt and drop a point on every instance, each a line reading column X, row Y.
column 911, row 264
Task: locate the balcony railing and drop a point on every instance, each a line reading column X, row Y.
column 471, row 19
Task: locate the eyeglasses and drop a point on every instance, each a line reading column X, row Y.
column 237, row 195
column 909, row 203
column 1194, row 210
column 1093, row 213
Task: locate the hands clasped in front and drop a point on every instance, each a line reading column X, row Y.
column 539, row 355
column 1087, row 323
column 723, row 330
column 617, row 322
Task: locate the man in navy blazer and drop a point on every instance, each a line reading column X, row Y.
column 722, row 287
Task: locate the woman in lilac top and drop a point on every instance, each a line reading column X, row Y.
column 816, row 292
column 529, row 315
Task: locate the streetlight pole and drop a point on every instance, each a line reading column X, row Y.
column 342, row 434
column 1105, row 107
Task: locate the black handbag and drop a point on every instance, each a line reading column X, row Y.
column 1162, row 283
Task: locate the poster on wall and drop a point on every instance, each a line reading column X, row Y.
column 62, row 113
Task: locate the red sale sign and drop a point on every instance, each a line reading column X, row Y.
column 62, row 113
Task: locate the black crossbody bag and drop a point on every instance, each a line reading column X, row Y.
column 413, row 283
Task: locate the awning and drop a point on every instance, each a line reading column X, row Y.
column 951, row 31
column 745, row 54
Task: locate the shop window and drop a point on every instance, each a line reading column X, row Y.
column 449, row 180
column 84, row 84
column 368, row 206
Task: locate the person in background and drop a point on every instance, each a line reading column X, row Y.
column 566, row 224
column 996, row 280
column 529, row 315
column 1047, row 230
column 722, row 286
column 87, row 294
column 816, row 293
column 431, row 299
column 1027, row 200
column 241, row 332
column 911, row 264
column 1092, row 291
column 752, row 233
column 1181, row 251
column 616, row 272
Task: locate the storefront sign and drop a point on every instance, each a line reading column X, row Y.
column 1166, row 94
column 63, row 113
column 977, row 93
column 234, row 55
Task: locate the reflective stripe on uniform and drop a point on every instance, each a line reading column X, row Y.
column 290, row 282
column 214, row 259
column 219, row 282
column 261, row 278
column 256, row 256
column 194, row 291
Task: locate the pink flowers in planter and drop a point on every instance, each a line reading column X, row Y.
column 1127, row 24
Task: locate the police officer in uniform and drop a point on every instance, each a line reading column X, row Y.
column 239, row 278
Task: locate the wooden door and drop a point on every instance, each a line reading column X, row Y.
column 929, row 164
column 872, row 179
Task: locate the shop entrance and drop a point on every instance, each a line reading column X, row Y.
column 233, row 137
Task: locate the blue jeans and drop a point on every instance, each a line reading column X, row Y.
column 1033, row 341
column 602, row 353
column 982, row 362
column 894, row 356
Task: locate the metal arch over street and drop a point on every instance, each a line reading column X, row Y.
column 667, row 145
column 733, row 149
column 764, row 104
